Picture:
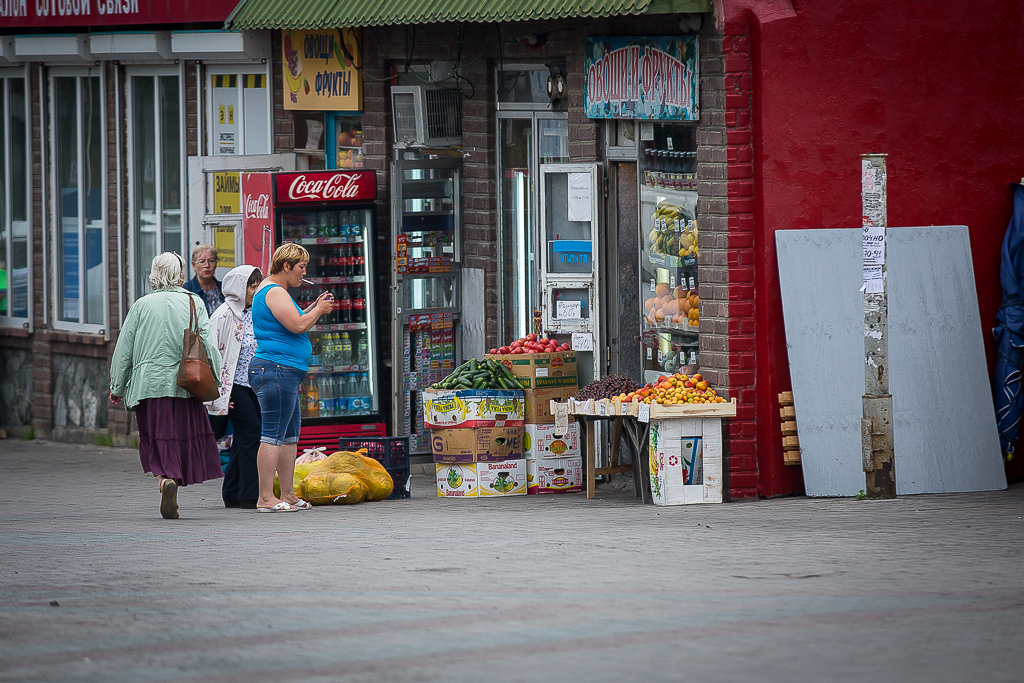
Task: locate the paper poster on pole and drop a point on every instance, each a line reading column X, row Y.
column 872, row 280
column 579, row 197
column 874, row 245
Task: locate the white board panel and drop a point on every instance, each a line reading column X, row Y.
column 820, row 274
column 945, row 436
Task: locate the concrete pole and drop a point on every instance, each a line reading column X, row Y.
column 876, row 425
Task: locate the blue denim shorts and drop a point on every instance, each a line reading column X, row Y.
column 277, row 387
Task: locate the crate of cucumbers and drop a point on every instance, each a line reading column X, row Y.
column 477, row 394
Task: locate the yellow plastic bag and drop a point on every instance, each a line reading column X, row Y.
column 345, row 478
column 300, row 473
column 332, row 488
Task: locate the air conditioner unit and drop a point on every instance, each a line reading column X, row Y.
column 426, row 116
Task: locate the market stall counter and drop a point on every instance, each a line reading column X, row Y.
column 676, row 450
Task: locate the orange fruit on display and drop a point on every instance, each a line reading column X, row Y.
column 677, row 389
column 661, row 289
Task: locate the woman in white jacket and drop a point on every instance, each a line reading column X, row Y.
column 231, row 329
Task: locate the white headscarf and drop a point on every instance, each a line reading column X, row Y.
column 234, row 286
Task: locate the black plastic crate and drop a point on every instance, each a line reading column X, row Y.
column 390, row 451
column 399, row 475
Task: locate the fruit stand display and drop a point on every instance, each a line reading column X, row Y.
column 670, row 308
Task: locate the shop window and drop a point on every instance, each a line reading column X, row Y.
column 156, row 171
column 78, row 200
column 15, row 243
column 240, row 121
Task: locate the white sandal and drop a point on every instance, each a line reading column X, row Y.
column 280, row 507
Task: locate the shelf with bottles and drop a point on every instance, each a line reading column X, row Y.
column 339, row 327
column 332, row 369
column 349, row 304
column 337, row 280
column 669, row 149
column 336, row 395
column 323, row 227
column 314, row 241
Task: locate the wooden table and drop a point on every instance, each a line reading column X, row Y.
column 630, row 423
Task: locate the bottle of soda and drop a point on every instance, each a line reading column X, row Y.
column 314, row 358
column 345, row 306
column 357, row 259
column 352, row 391
column 345, row 350
column 326, row 405
column 312, row 399
column 336, row 269
column 358, row 304
column 363, row 351
column 363, row 392
column 341, row 400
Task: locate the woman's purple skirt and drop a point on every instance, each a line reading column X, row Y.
column 176, row 441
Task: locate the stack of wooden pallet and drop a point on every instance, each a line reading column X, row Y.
column 790, row 440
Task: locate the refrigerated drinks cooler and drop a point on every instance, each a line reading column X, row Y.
column 427, row 282
column 331, row 214
column 668, row 259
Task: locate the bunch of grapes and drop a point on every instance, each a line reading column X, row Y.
column 607, row 387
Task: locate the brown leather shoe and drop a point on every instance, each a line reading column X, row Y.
column 169, row 499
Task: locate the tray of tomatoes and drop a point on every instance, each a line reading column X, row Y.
column 531, row 343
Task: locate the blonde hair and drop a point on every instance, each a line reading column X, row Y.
column 166, row 271
column 287, row 253
column 202, row 249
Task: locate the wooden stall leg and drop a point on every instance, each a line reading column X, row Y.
column 591, row 454
column 616, row 438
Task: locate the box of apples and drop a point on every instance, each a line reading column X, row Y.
column 538, row 362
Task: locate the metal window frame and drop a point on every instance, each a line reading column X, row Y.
column 239, row 69
column 534, row 113
column 78, row 73
column 8, row 320
column 155, row 72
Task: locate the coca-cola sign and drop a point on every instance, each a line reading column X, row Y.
column 257, row 205
column 325, row 186
column 258, row 219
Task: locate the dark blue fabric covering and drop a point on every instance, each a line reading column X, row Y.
column 1009, row 330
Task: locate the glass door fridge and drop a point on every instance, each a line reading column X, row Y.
column 426, row 280
column 331, row 214
column 670, row 308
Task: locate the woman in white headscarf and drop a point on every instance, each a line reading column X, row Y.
column 231, row 329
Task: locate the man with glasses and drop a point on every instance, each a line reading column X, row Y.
column 204, row 262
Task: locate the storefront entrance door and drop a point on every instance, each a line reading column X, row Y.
column 215, row 202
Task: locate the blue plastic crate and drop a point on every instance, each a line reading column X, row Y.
column 390, row 451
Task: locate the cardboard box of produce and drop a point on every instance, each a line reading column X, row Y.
column 445, row 408
column 685, row 461
column 540, row 442
column 554, row 475
column 541, row 370
column 457, row 481
column 538, row 403
column 506, row 478
column 481, row 479
column 480, row 444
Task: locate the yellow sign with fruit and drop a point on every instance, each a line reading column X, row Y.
column 321, row 69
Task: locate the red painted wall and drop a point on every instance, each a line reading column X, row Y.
column 938, row 86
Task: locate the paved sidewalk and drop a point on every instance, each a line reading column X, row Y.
column 97, row 587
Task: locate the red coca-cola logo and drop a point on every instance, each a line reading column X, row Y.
column 257, row 207
column 326, row 186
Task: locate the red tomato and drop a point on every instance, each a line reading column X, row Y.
column 517, row 350
column 494, row 352
column 531, row 337
column 517, row 343
column 504, row 351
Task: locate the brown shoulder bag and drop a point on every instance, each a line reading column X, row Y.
column 194, row 372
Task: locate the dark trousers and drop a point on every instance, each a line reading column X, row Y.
column 241, row 479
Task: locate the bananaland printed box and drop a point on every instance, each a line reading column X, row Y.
column 541, row 441
column 554, row 475
column 481, row 479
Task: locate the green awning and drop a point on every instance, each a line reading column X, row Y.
column 313, row 14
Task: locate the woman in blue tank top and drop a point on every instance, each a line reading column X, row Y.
column 278, row 368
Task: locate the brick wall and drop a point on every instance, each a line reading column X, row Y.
column 741, row 259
